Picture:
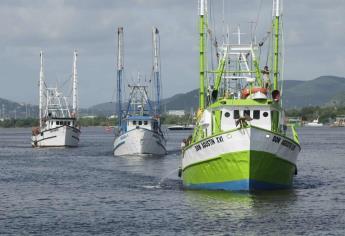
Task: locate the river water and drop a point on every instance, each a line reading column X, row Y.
column 87, row 191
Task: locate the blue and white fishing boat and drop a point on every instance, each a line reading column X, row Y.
column 139, row 125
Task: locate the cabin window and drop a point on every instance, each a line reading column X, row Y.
column 145, row 122
column 236, row 114
column 134, row 122
column 246, row 113
column 69, row 123
column 227, row 114
column 265, row 114
column 256, row 114
column 57, row 123
column 140, row 122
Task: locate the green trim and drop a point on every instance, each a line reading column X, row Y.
column 219, row 73
column 216, row 121
column 276, row 52
column 275, row 117
column 258, row 73
column 240, row 102
column 202, row 63
column 245, row 165
column 295, row 134
column 232, row 71
column 217, row 157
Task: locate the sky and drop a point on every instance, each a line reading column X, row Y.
column 314, row 34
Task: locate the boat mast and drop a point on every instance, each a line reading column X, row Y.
column 120, row 66
column 75, row 84
column 276, row 24
column 202, row 8
column 41, row 84
column 156, row 66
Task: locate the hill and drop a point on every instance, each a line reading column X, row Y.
column 10, row 109
column 322, row 91
column 318, row 92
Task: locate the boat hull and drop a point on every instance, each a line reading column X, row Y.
column 139, row 141
column 63, row 136
column 244, row 159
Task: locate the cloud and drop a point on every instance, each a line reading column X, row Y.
column 313, row 37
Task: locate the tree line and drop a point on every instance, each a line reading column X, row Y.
column 325, row 115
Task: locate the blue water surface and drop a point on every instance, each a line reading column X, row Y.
column 88, row 191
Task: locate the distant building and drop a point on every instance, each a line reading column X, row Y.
column 176, row 112
column 91, row 117
column 339, row 121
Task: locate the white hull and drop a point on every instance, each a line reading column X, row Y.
column 313, row 125
column 63, row 136
column 247, row 139
column 140, row 141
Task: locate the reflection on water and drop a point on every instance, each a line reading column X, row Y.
column 220, row 203
column 239, row 204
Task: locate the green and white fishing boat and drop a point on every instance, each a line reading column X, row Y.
column 241, row 140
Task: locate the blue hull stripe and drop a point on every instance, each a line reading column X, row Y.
column 241, row 185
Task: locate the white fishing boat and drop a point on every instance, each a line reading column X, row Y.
column 314, row 123
column 181, row 127
column 140, row 134
column 139, row 125
column 58, row 125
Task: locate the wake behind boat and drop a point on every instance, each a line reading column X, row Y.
column 139, row 125
column 58, row 125
column 240, row 141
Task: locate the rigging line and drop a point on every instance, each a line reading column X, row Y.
column 211, row 38
column 214, row 43
column 114, row 90
column 258, row 17
column 209, row 31
column 269, row 49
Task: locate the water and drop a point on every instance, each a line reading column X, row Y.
column 87, row 191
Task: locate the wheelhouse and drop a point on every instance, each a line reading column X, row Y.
column 58, row 122
column 145, row 122
column 229, row 117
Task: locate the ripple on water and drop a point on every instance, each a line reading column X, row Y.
column 87, row 191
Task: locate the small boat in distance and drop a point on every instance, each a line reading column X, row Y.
column 181, row 127
column 58, row 125
column 314, row 123
column 139, row 125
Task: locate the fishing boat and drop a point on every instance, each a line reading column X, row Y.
column 314, row 123
column 240, row 141
column 139, row 125
column 58, row 124
column 181, row 127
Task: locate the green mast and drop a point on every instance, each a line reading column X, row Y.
column 276, row 22
column 202, row 54
column 276, row 16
